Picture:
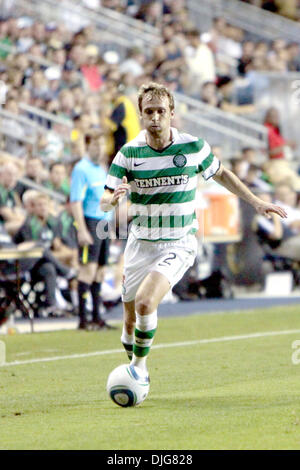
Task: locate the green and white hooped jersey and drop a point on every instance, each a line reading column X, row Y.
column 163, row 184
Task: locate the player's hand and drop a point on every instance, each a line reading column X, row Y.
column 84, row 238
column 266, row 209
column 120, row 190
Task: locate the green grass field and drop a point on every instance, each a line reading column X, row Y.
column 234, row 393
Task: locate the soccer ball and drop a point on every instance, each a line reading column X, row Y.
column 127, row 385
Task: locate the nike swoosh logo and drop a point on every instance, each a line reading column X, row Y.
column 139, row 164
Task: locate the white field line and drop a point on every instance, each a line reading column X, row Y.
column 263, row 334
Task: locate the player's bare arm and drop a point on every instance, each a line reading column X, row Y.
column 111, row 198
column 231, row 182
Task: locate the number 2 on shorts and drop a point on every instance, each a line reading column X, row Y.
column 166, row 260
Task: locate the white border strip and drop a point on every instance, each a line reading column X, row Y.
column 157, row 346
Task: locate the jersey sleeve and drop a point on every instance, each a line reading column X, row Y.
column 208, row 163
column 118, row 169
column 78, row 185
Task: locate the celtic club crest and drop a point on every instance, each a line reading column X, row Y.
column 179, row 160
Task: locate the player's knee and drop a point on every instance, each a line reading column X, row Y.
column 143, row 306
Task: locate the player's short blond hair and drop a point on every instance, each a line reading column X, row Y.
column 155, row 90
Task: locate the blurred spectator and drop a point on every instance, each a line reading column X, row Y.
column 277, row 57
column 82, row 123
column 90, row 69
column 239, row 168
column 200, row 60
column 34, row 171
column 23, row 35
column 39, row 227
column 230, row 45
column 11, row 213
column 150, row 12
column 67, row 104
column 168, row 56
column 39, row 34
column 278, row 167
column 293, row 57
column 225, row 86
column 281, row 235
column 287, row 197
column 16, row 132
column 215, row 35
column 28, row 200
column 66, row 230
column 5, row 39
column 59, row 56
column 77, row 56
column 249, row 155
column 123, row 121
column 51, row 146
column 273, row 234
column 246, row 167
column 80, row 97
column 276, row 141
column 288, row 8
column 209, row 94
column 254, row 180
column 224, row 40
column 24, row 96
column 68, row 252
column 58, row 180
column 134, row 63
column 247, row 158
column 248, row 48
column 70, row 76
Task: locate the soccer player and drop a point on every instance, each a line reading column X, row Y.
column 87, row 186
column 160, row 167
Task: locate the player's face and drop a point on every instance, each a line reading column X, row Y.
column 156, row 114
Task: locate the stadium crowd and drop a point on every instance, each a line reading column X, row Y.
column 66, row 73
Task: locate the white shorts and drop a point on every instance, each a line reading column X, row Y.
column 172, row 259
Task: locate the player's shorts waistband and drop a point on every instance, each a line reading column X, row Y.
column 164, row 243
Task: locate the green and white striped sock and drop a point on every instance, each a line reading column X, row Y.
column 143, row 338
